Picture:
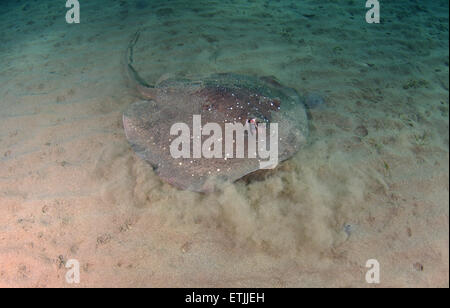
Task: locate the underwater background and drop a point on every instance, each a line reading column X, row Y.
column 372, row 182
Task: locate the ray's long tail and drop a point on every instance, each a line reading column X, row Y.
column 136, row 81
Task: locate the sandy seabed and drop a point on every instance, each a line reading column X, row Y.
column 372, row 182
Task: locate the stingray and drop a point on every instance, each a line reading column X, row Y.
column 219, row 98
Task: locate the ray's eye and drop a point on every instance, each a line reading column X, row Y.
column 253, row 121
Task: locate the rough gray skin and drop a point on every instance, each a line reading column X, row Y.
column 220, row 98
